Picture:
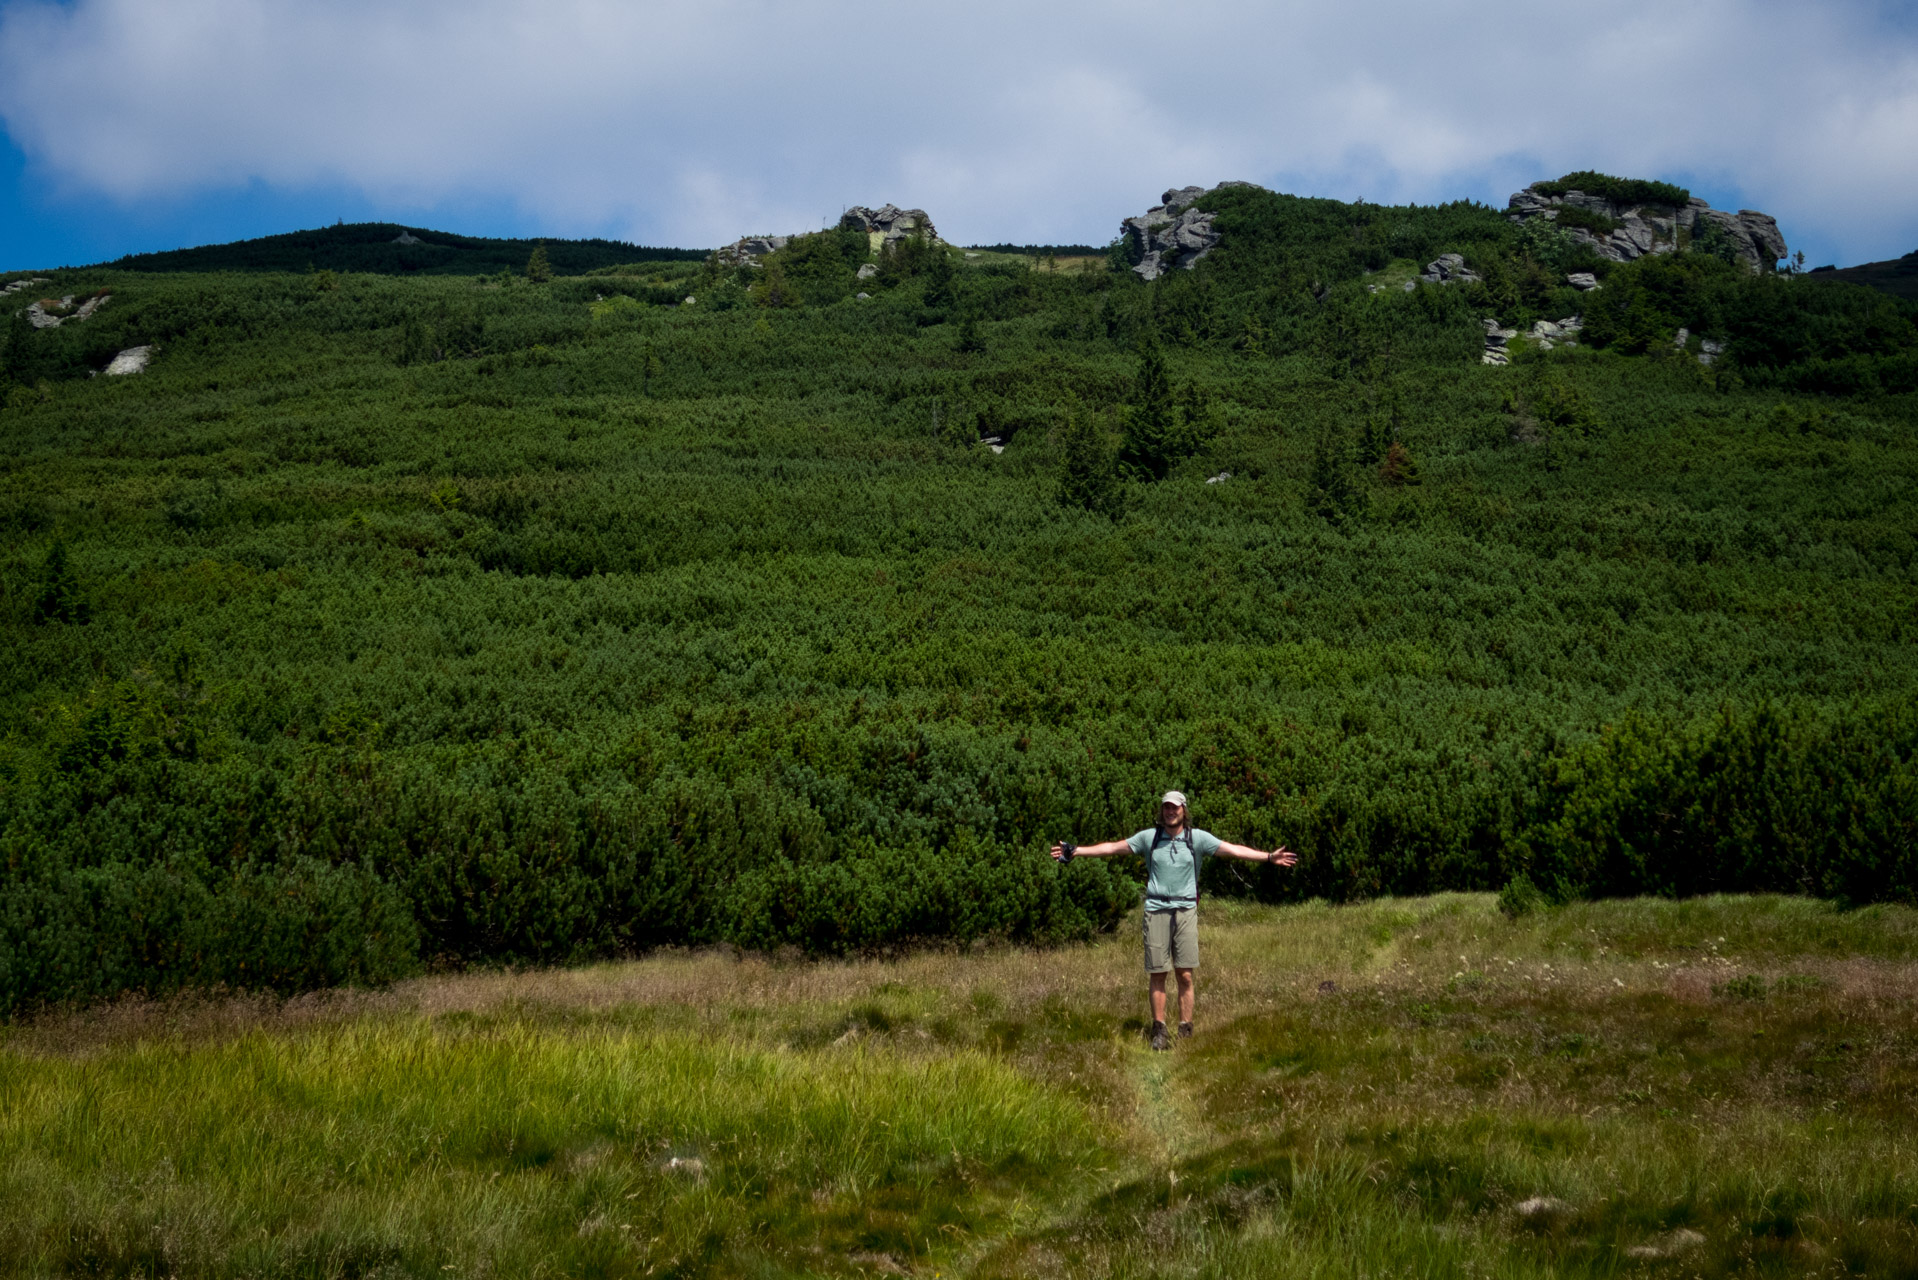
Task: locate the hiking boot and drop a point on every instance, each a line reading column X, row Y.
column 1159, row 1040
column 1185, row 1031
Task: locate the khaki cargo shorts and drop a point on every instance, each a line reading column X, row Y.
column 1171, row 940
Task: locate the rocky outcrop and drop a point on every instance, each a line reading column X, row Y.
column 1495, row 340
column 746, row 249
column 1172, row 233
column 1448, row 268
column 884, row 224
column 19, row 285
column 1623, row 231
column 48, row 314
column 1544, row 334
column 889, row 223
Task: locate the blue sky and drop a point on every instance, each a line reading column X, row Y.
column 132, row 125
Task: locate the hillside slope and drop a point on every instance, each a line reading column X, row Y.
column 1897, row 277
column 386, row 248
column 389, row 621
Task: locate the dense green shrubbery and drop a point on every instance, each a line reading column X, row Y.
column 1572, row 215
column 1773, row 323
column 404, row 622
column 1748, row 804
column 1617, row 190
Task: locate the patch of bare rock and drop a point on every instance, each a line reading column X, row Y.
column 132, row 360
column 48, row 314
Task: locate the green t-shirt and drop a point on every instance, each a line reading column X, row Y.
column 1172, row 865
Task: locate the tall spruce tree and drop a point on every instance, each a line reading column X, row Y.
column 940, row 293
column 1088, row 477
column 538, row 269
column 1152, row 438
column 57, row 596
column 1331, row 497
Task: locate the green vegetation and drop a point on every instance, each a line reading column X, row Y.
column 388, row 623
column 1626, row 191
column 1597, row 223
column 376, row 247
column 1404, row 1087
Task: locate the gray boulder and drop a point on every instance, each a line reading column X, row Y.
column 132, row 360
column 1448, row 268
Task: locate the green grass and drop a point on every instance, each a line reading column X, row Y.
column 1394, row 275
column 494, row 1145
column 1376, row 1090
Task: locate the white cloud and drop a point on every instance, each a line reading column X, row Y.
column 693, row 123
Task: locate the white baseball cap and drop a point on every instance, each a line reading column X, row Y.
column 1173, row 797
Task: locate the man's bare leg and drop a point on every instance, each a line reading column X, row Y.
column 1185, row 995
column 1157, row 981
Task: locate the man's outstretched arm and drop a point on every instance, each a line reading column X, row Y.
column 1105, row 850
column 1280, row 856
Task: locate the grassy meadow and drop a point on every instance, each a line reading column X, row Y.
column 1403, row 1087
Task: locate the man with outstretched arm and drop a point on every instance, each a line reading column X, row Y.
column 1173, row 853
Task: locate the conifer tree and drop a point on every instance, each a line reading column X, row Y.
column 1400, row 468
column 57, row 596
column 538, row 269
column 1331, row 496
column 1196, row 423
column 1373, row 439
column 1151, row 437
column 1088, row 477
column 939, row 282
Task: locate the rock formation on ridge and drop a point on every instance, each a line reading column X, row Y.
column 747, row 249
column 1173, row 233
column 889, row 223
column 1643, row 227
column 883, row 225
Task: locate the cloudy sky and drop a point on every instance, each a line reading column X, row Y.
column 143, row 124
